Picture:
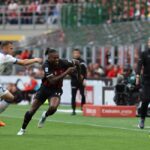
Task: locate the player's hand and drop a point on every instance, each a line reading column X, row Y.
column 71, row 70
column 39, row 60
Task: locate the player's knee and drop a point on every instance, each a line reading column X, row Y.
column 9, row 98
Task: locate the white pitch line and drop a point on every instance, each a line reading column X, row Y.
column 84, row 124
column 58, row 110
column 68, row 111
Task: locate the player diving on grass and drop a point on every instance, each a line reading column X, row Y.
column 6, row 58
column 55, row 70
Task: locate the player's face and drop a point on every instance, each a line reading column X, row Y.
column 9, row 49
column 53, row 58
column 76, row 54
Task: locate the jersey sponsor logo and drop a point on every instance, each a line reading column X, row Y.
column 46, row 69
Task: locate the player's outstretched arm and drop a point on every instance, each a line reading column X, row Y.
column 25, row 62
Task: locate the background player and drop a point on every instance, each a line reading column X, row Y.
column 144, row 63
column 78, row 84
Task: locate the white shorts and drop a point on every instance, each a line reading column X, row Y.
column 3, row 91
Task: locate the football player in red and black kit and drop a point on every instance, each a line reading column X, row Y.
column 51, row 88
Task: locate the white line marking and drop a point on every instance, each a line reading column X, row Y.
column 83, row 124
column 68, row 111
column 58, row 110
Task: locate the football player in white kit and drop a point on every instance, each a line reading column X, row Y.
column 6, row 58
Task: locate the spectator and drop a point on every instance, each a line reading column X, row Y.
column 148, row 2
column 148, row 14
column 131, row 11
column 32, row 7
column 115, row 70
column 137, row 11
column 25, row 54
column 13, row 6
column 98, row 71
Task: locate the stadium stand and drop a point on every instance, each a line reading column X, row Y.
column 82, row 12
column 78, row 22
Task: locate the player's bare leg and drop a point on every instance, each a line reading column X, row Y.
column 28, row 115
column 7, row 98
column 53, row 104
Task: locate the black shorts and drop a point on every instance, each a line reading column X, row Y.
column 46, row 93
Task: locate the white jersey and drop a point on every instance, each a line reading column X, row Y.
column 6, row 60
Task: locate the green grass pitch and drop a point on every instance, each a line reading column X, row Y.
column 65, row 132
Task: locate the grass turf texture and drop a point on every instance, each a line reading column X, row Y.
column 65, row 132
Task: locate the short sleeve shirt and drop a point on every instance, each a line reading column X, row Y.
column 6, row 60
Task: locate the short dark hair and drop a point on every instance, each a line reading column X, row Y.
column 3, row 44
column 50, row 50
column 76, row 49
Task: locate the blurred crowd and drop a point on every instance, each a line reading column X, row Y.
column 98, row 71
column 93, row 11
column 112, row 68
column 129, row 10
column 94, row 70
